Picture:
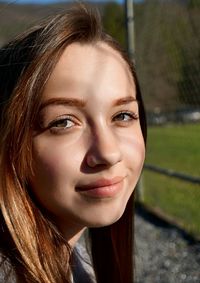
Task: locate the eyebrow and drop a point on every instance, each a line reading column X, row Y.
column 124, row 100
column 74, row 102
column 63, row 101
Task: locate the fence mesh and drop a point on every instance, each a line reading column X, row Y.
column 168, row 65
column 168, row 53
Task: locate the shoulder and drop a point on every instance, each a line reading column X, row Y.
column 7, row 274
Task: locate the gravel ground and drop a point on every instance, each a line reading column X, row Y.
column 164, row 254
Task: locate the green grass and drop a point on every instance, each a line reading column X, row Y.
column 174, row 147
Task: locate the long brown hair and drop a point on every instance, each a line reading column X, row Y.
column 34, row 246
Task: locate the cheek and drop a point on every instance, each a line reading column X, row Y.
column 133, row 149
column 56, row 162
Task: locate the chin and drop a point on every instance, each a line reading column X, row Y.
column 105, row 212
column 105, row 218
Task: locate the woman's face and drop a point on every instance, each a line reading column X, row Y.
column 89, row 153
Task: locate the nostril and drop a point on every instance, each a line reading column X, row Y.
column 108, row 158
column 91, row 161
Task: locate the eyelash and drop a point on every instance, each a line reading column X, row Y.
column 55, row 128
column 132, row 116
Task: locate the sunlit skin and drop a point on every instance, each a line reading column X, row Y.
column 90, row 151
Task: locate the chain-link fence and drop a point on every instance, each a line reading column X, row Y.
column 168, row 65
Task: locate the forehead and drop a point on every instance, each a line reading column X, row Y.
column 90, row 68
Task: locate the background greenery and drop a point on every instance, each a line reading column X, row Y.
column 174, row 147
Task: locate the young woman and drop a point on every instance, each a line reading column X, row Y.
column 71, row 151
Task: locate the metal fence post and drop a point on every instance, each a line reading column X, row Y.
column 130, row 41
column 130, row 37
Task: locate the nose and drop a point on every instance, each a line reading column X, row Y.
column 104, row 149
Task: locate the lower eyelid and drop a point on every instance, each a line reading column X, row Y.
column 60, row 130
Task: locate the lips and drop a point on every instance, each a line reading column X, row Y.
column 102, row 188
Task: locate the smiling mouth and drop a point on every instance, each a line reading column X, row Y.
column 102, row 188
